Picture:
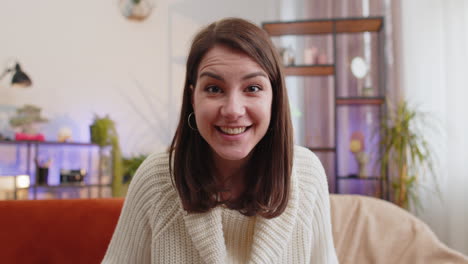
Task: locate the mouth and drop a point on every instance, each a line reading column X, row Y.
column 232, row 130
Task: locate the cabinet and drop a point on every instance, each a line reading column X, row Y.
column 348, row 106
column 54, row 170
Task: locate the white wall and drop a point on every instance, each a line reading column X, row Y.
column 86, row 58
column 435, row 62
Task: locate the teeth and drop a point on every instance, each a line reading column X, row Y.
column 233, row 130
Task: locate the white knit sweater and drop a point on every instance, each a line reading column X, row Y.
column 153, row 227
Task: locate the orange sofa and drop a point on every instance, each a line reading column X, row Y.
column 365, row 230
column 57, row 231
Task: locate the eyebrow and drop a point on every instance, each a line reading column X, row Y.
column 219, row 77
column 254, row 74
column 212, row 75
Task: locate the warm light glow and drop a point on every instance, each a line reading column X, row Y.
column 22, row 181
column 7, row 182
column 359, row 67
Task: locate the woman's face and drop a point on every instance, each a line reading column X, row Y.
column 232, row 102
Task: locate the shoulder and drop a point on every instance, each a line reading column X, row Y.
column 309, row 171
column 155, row 163
column 306, row 162
column 153, row 170
column 312, row 185
column 152, row 184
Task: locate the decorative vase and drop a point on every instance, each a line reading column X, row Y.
column 310, row 55
column 362, row 159
column 287, row 55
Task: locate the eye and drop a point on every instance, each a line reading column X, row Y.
column 253, row 89
column 213, row 89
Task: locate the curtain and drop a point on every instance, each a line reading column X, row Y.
column 434, row 58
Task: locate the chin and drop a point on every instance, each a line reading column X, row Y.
column 233, row 155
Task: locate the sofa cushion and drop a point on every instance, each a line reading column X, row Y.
column 370, row 230
column 57, row 231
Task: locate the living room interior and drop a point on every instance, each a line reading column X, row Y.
column 120, row 65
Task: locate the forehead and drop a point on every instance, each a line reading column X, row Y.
column 223, row 57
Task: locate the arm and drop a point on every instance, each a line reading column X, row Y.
column 131, row 241
column 323, row 249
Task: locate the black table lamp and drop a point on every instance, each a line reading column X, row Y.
column 19, row 78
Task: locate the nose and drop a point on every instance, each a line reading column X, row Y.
column 233, row 108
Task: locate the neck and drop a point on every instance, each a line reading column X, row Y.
column 230, row 175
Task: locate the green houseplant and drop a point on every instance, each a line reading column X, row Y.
column 406, row 155
column 104, row 133
column 130, row 166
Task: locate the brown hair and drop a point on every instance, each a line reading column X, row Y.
column 269, row 170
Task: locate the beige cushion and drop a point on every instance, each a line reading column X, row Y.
column 370, row 230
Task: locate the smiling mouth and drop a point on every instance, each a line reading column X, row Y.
column 232, row 130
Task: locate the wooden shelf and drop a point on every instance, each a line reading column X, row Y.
column 331, row 29
column 310, row 70
column 360, row 100
column 373, row 178
column 359, row 25
column 47, row 143
column 322, row 149
column 70, row 185
column 305, row 27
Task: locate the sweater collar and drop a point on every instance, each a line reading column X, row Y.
column 271, row 236
column 206, row 232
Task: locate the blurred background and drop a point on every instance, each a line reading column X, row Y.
column 125, row 60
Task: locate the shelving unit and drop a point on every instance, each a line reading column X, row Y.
column 307, row 70
column 334, row 28
column 19, row 157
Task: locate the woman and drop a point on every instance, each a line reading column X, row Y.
column 240, row 192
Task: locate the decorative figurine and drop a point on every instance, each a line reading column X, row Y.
column 357, row 148
column 64, row 134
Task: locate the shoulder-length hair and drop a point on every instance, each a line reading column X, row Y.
column 270, row 167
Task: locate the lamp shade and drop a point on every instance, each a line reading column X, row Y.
column 20, row 78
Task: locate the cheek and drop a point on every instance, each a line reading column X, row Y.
column 197, row 103
column 267, row 109
column 205, row 112
column 262, row 113
column 266, row 113
column 203, row 115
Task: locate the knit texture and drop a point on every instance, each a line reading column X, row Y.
column 238, row 233
column 154, row 228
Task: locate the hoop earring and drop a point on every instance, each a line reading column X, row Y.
column 188, row 121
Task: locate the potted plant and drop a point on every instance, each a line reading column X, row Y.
column 104, row 133
column 130, row 166
column 406, row 155
column 26, row 122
